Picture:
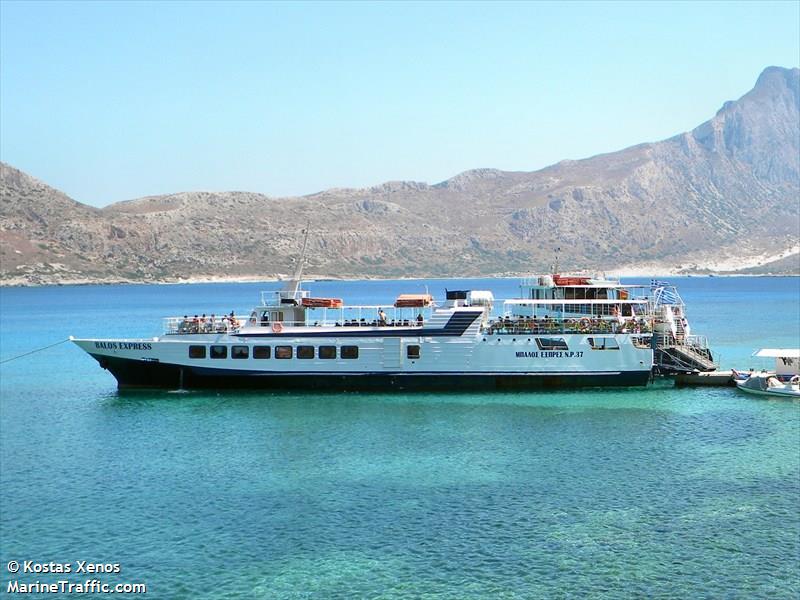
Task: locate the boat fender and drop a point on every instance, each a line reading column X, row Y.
column 277, row 327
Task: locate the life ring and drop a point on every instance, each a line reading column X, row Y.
column 277, row 327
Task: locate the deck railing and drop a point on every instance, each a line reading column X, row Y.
column 557, row 325
column 179, row 325
column 173, row 325
column 670, row 339
column 498, row 326
column 699, row 341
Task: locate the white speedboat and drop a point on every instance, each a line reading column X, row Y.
column 784, row 382
column 769, row 385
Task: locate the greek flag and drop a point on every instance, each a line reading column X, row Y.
column 668, row 296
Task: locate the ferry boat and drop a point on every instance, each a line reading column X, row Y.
column 560, row 332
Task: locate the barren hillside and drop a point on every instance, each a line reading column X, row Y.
column 728, row 188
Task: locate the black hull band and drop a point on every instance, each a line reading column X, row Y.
column 155, row 375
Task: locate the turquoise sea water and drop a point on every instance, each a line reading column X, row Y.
column 651, row 492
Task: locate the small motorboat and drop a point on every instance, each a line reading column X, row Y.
column 770, row 385
column 784, row 382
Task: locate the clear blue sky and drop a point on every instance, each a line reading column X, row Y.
column 112, row 101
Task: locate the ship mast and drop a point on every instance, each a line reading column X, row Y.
column 293, row 285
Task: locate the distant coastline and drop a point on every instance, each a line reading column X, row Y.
column 752, row 266
column 625, row 273
column 780, row 264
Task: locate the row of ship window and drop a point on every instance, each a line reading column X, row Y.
column 283, row 352
column 280, row 352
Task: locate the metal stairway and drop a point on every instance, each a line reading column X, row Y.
column 681, row 353
column 676, row 357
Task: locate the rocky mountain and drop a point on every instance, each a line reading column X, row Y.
column 727, row 191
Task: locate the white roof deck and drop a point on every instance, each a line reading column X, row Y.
column 778, row 352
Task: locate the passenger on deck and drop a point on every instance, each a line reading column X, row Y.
column 381, row 318
column 420, row 319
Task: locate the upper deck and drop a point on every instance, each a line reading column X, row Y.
column 548, row 304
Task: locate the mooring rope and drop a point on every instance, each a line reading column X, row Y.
column 5, row 360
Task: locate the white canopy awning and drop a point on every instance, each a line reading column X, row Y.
column 778, row 352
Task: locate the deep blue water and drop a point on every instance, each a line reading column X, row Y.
column 656, row 492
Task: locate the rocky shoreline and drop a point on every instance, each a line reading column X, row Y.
column 633, row 271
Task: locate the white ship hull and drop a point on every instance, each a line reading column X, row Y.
column 401, row 360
